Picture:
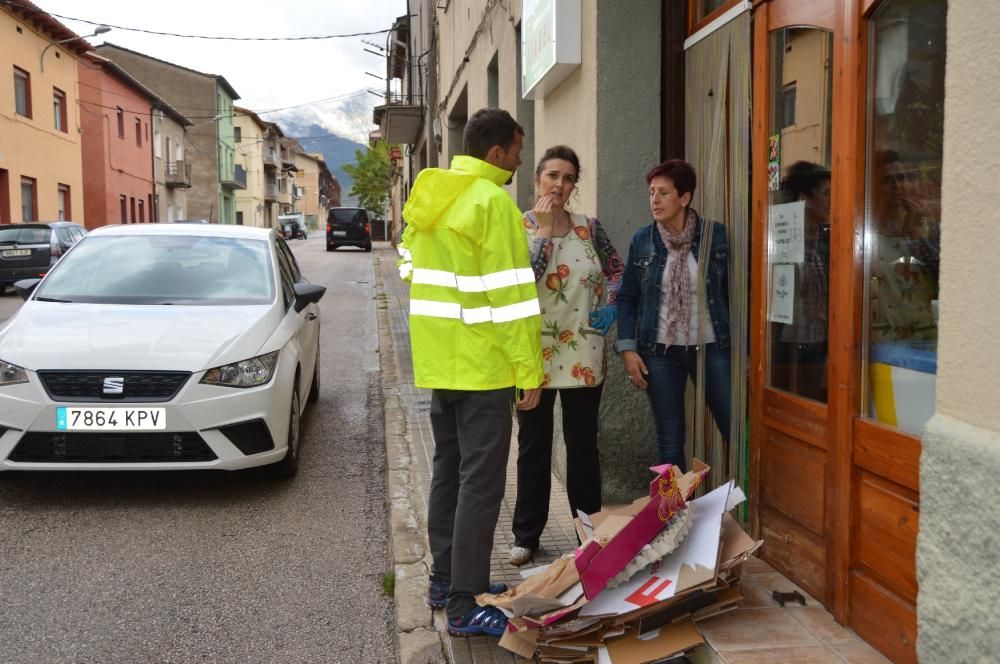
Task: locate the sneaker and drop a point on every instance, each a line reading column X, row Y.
column 520, row 555
column 480, row 621
column 437, row 594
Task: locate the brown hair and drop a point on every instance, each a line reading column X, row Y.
column 559, row 152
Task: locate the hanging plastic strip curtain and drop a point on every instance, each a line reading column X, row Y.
column 717, row 139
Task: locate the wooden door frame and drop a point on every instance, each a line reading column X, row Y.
column 847, row 221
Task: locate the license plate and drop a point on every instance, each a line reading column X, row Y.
column 340, row 233
column 69, row 418
column 13, row 253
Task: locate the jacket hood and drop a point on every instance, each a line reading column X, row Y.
column 436, row 189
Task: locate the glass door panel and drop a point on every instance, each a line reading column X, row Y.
column 902, row 221
column 799, row 179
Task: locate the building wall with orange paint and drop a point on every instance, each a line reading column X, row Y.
column 117, row 149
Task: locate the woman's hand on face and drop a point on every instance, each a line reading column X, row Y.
column 543, row 215
column 636, row 369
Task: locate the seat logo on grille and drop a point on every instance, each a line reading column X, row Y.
column 114, row 385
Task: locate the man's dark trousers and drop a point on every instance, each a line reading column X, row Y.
column 471, row 442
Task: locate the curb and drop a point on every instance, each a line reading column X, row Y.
column 417, row 639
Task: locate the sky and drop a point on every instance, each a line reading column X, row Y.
column 266, row 74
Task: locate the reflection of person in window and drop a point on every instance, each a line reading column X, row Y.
column 802, row 344
column 904, row 256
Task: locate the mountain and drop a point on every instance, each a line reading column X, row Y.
column 329, row 132
column 336, row 151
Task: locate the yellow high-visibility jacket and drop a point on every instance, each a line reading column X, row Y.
column 474, row 313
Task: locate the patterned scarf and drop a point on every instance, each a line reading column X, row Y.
column 678, row 290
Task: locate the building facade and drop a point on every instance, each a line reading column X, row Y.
column 171, row 171
column 115, row 117
column 41, row 176
column 251, row 140
column 210, row 148
column 829, row 128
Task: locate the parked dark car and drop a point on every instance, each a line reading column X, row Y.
column 29, row 250
column 348, row 227
column 292, row 230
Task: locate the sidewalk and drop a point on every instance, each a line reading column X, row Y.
column 757, row 632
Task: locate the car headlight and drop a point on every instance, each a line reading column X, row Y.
column 246, row 373
column 11, row 374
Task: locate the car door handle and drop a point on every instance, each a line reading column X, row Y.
column 310, row 316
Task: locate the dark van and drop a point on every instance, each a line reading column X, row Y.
column 348, row 226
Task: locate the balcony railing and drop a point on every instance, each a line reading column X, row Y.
column 271, row 157
column 178, row 175
column 238, row 181
column 271, row 191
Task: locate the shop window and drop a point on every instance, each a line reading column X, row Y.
column 59, row 109
column 29, row 199
column 142, row 211
column 903, row 211
column 799, row 179
column 64, row 203
column 22, row 92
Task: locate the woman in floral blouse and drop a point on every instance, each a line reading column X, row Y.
column 578, row 273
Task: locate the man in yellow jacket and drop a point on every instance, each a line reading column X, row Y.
column 475, row 331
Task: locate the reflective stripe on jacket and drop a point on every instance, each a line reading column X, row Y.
column 474, row 314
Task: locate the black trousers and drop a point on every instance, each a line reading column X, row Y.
column 471, row 443
column 534, row 459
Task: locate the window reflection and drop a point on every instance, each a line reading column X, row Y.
column 905, row 137
column 799, row 181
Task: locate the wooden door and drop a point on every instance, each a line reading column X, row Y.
column 793, row 184
column 835, row 489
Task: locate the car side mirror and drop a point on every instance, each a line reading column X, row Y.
column 305, row 294
column 25, row 287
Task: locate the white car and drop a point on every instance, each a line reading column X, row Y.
column 161, row 347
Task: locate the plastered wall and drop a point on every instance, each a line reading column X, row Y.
column 959, row 542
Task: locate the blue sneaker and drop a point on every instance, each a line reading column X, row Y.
column 480, row 621
column 437, row 594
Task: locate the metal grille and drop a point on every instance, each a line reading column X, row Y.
column 139, row 386
column 100, row 447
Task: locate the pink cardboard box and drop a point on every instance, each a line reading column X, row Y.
column 621, row 533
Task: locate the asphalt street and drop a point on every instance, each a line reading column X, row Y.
column 214, row 566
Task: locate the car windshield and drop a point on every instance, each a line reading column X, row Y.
column 347, row 215
column 162, row 269
column 24, row 235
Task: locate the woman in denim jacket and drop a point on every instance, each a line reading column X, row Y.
column 667, row 314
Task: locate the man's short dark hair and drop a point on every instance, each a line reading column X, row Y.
column 679, row 172
column 488, row 127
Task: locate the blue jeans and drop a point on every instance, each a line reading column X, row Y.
column 669, row 369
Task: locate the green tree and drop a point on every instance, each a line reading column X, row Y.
column 371, row 177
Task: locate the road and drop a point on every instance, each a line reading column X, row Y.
column 218, row 567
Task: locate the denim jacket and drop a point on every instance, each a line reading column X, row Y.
column 641, row 289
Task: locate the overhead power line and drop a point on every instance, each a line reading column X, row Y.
column 13, row 3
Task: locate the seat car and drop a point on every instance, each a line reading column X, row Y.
column 348, row 226
column 29, row 250
column 168, row 346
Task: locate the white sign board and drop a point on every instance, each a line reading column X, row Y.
column 781, row 304
column 550, row 44
column 787, row 232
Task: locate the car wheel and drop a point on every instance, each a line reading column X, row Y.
column 331, row 247
column 289, row 464
column 313, row 395
column 368, row 247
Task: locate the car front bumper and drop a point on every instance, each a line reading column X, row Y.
column 197, row 409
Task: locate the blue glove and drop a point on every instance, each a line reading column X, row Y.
column 602, row 319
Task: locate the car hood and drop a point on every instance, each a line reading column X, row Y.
column 47, row 335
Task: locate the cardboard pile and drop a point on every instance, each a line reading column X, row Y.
column 576, row 610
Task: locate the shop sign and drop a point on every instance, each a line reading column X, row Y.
column 550, row 44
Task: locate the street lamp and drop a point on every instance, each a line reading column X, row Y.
column 99, row 30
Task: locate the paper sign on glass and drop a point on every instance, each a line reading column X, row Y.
column 787, row 234
column 781, row 304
